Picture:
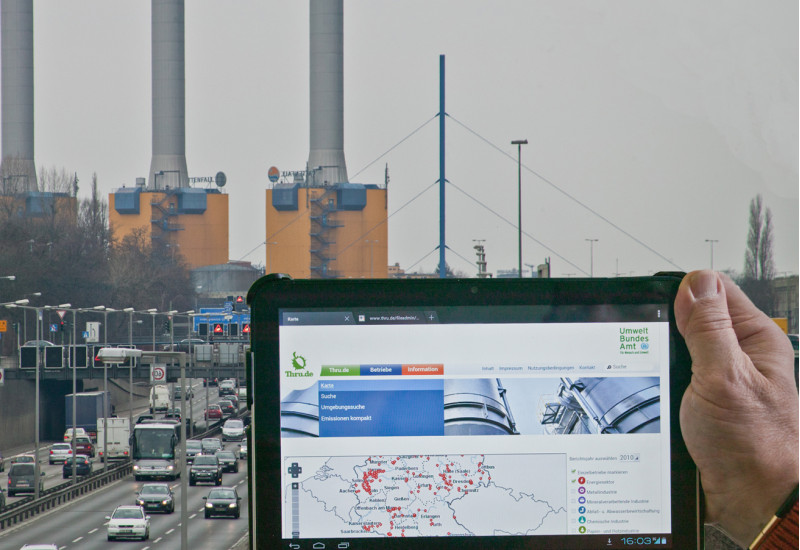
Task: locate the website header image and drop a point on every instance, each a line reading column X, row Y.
column 473, row 407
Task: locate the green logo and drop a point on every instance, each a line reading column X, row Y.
column 296, row 360
column 299, row 366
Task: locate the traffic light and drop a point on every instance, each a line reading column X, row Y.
column 167, row 325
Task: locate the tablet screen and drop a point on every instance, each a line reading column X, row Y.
column 506, row 426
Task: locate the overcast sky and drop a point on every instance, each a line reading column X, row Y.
column 651, row 125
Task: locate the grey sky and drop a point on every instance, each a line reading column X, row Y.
column 665, row 117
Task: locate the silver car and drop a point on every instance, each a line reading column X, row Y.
column 59, row 453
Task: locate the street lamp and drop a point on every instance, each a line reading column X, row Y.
column 184, row 480
column 9, row 277
column 25, row 317
column 74, row 384
column 711, row 242
column 591, row 255
column 105, row 311
column 130, row 311
column 519, row 143
column 23, row 304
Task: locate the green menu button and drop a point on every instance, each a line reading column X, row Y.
column 340, row 370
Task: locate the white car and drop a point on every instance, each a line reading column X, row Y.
column 128, row 522
column 60, row 452
column 233, row 430
column 80, row 432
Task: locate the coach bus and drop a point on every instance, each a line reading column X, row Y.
column 156, row 450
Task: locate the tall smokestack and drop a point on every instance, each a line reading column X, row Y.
column 326, row 156
column 168, row 166
column 19, row 170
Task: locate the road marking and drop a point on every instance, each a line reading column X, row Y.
column 192, row 516
column 170, row 531
column 157, row 540
column 96, row 529
column 77, row 540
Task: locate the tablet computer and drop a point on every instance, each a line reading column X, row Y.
column 468, row 414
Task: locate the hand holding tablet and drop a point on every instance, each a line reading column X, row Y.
column 739, row 416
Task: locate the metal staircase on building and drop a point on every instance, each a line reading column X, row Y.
column 323, row 234
column 163, row 216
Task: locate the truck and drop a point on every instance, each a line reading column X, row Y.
column 88, row 408
column 116, row 438
column 159, row 399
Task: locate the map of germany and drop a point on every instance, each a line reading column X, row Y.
column 426, row 495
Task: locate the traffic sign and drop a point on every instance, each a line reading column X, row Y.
column 61, row 313
column 158, row 373
column 3, row 325
column 53, row 327
column 218, row 329
column 246, row 329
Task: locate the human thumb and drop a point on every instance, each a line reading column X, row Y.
column 703, row 318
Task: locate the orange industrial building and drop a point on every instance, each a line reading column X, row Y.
column 327, row 231
column 58, row 206
column 194, row 221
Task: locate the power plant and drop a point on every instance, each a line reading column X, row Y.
column 318, row 224
column 180, row 219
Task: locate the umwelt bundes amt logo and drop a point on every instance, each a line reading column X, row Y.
column 634, row 341
column 298, row 369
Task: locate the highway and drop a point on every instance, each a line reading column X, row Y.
column 81, row 523
column 53, row 473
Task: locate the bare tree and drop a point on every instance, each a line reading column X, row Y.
column 53, row 180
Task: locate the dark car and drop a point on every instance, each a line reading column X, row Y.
column 210, row 382
column 227, row 407
column 193, row 448
column 143, row 417
column 211, row 445
column 228, row 461
column 222, row 502
column 173, row 414
column 176, row 393
column 23, row 459
column 83, row 466
column 156, row 497
column 213, row 411
column 84, row 446
column 22, row 479
column 205, row 468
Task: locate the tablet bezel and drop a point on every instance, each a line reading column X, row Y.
column 271, row 294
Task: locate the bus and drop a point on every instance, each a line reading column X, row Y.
column 156, row 450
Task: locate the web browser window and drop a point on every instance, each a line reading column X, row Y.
column 464, row 421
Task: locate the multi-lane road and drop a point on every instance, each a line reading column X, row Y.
column 82, row 524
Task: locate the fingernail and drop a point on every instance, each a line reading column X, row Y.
column 704, row 284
